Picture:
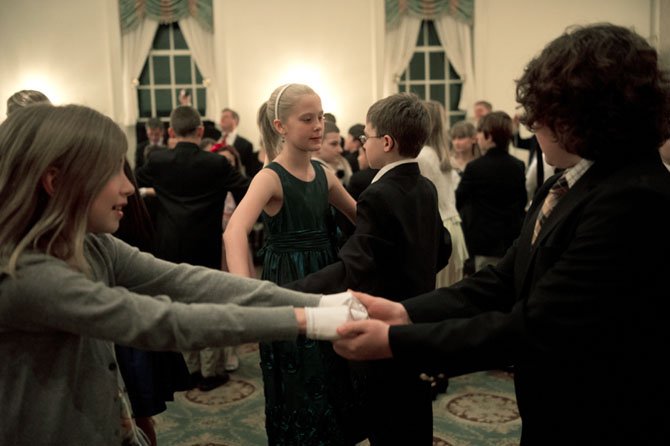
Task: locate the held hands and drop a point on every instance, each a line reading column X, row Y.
column 356, row 338
column 369, row 339
column 393, row 313
column 333, row 311
column 363, row 340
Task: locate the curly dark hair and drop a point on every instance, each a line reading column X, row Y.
column 599, row 88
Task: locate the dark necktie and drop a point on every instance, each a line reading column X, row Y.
column 556, row 192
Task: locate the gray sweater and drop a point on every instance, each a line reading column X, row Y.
column 58, row 372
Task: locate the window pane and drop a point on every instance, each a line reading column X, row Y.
column 161, row 69
column 454, row 96
column 404, row 76
column 437, row 93
column 432, row 34
column 144, row 77
column 436, row 61
column 202, row 100
column 419, row 90
column 453, row 119
column 417, row 68
column 163, row 102
column 144, row 100
column 198, row 76
column 453, row 74
column 162, row 39
column 179, row 41
column 182, row 69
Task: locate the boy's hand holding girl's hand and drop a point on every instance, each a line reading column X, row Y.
column 343, row 318
column 369, row 339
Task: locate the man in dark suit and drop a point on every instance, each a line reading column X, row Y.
column 580, row 303
column 491, row 195
column 398, row 246
column 155, row 137
column 191, row 187
column 229, row 137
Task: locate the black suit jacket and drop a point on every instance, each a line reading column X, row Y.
column 247, row 156
column 491, row 198
column 139, row 153
column 582, row 314
column 398, row 246
column 191, row 186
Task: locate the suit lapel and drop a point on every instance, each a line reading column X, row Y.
column 572, row 199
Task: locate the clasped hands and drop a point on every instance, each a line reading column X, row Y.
column 357, row 323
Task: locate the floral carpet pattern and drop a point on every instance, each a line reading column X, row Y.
column 478, row 410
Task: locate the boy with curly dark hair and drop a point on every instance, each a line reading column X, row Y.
column 579, row 303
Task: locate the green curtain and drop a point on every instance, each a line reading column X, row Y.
column 462, row 10
column 132, row 12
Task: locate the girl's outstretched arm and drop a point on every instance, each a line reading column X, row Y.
column 264, row 193
column 339, row 197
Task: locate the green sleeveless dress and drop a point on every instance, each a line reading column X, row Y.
column 309, row 398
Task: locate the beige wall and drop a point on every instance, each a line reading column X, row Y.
column 661, row 30
column 331, row 46
column 509, row 33
column 68, row 49
column 71, row 49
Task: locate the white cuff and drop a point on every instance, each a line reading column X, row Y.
column 322, row 322
column 335, row 300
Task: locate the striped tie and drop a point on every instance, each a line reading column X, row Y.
column 556, row 192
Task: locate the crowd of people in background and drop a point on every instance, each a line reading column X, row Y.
column 402, row 205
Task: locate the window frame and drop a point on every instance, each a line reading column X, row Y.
column 425, row 48
column 194, row 86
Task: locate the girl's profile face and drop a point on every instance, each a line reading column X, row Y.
column 303, row 128
column 330, row 148
column 107, row 207
column 463, row 144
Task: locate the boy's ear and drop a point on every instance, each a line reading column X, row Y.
column 171, row 133
column 389, row 143
column 49, row 180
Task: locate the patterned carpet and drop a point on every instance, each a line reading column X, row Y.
column 478, row 410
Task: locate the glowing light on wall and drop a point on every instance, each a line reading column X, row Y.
column 41, row 83
column 301, row 73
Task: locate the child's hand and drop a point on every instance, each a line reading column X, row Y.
column 363, row 340
column 393, row 313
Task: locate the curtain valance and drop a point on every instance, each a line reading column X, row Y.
column 461, row 10
column 133, row 12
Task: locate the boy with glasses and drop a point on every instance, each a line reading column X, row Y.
column 397, row 248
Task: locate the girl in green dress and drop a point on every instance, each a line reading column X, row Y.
column 308, row 393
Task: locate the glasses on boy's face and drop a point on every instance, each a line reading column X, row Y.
column 364, row 138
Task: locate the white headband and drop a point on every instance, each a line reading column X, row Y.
column 281, row 92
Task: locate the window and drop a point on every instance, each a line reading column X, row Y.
column 431, row 76
column 168, row 69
